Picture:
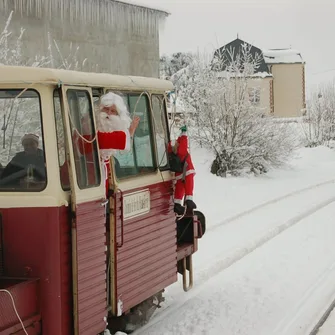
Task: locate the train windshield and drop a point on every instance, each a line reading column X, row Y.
column 22, row 159
column 141, row 158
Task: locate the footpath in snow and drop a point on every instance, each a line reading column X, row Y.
column 266, row 264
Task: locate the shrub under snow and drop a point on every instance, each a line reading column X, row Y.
column 223, row 117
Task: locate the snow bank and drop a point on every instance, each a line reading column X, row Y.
column 222, row 198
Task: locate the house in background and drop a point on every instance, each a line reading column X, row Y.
column 259, row 84
column 278, row 84
column 288, row 86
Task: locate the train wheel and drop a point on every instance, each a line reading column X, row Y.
column 138, row 315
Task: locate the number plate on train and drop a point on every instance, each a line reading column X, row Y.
column 135, row 204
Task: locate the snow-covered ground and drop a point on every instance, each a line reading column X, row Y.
column 266, row 264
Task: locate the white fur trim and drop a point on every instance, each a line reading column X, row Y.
column 128, row 140
column 104, row 170
column 189, row 197
column 180, row 176
column 107, row 153
column 178, row 201
column 188, row 172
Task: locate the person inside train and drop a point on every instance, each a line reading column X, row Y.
column 30, row 161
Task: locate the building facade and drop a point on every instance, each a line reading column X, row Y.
column 112, row 36
column 280, row 86
column 288, row 88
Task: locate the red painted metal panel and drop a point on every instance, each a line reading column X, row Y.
column 147, row 261
column 185, row 250
column 153, row 275
column 145, row 250
column 37, row 244
column 25, row 295
column 142, row 294
column 91, row 267
column 143, row 263
column 65, row 253
column 33, row 327
column 1, row 248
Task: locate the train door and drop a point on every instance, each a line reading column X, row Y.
column 143, row 225
column 88, row 211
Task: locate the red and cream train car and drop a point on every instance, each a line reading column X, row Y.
column 67, row 267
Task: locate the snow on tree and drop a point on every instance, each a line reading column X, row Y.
column 169, row 65
column 223, row 117
column 319, row 125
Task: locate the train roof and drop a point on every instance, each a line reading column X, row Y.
column 32, row 75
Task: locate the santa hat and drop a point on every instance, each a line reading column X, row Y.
column 30, row 136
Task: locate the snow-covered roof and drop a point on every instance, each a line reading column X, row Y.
column 226, row 74
column 22, row 74
column 141, row 4
column 282, row 56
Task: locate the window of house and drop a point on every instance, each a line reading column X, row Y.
column 161, row 129
column 83, row 138
column 254, row 95
column 140, row 158
column 22, row 157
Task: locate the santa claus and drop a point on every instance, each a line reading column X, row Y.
column 184, row 180
column 115, row 130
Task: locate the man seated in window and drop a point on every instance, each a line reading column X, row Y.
column 28, row 163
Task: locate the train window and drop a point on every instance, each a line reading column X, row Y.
column 161, row 129
column 83, row 133
column 63, row 168
column 140, row 158
column 22, row 158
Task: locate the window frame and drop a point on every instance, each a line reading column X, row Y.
column 27, row 89
column 58, row 91
column 165, row 119
column 154, row 168
column 94, row 143
column 254, row 95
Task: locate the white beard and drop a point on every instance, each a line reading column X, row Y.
column 110, row 123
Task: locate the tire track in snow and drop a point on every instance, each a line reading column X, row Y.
column 304, row 309
column 218, row 267
column 267, row 203
column 323, row 318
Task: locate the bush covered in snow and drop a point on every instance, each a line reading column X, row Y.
column 319, row 125
column 224, row 118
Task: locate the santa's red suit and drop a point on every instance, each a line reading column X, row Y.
column 184, row 180
column 112, row 133
column 108, row 141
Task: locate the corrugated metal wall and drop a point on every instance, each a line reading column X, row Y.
column 146, row 263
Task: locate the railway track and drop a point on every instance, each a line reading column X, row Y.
column 323, row 318
column 220, row 266
column 270, row 202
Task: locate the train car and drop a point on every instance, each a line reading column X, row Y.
column 71, row 260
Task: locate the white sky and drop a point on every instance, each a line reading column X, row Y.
column 306, row 25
